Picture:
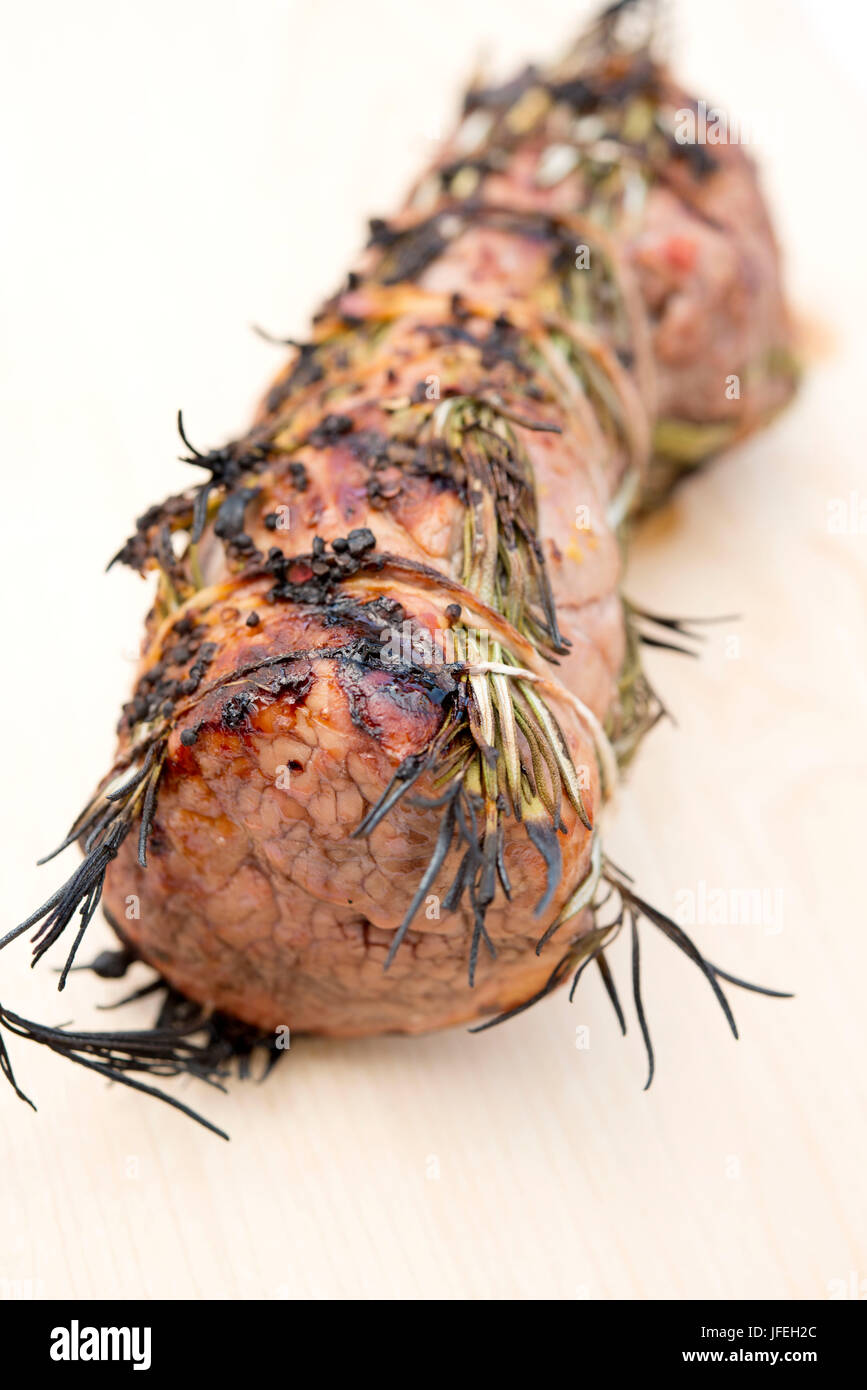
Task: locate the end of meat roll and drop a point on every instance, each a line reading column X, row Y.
column 261, row 899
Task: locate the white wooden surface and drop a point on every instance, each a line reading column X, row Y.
column 176, row 172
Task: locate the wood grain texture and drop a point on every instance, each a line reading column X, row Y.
column 178, row 172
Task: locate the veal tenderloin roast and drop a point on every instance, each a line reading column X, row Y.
column 388, row 678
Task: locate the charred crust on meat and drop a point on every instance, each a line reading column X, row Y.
column 313, row 578
column 329, row 430
column 407, row 692
column 229, row 522
column 189, row 511
column 290, row 683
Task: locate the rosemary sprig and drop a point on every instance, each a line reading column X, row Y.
column 125, row 1056
column 630, row 911
column 186, row 1039
column 503, row 560
column 102, row 827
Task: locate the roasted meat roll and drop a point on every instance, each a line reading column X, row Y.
column 388, row 679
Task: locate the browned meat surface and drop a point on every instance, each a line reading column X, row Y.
column 263, row 655
column 264, row 906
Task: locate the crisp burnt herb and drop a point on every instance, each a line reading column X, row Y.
column 229, row 522
column 629, row 911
